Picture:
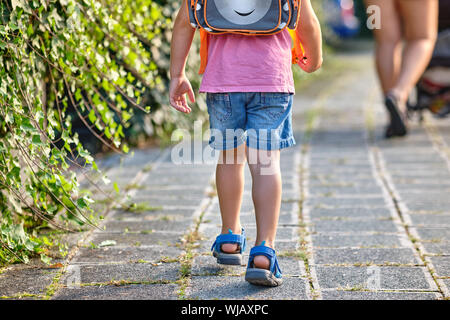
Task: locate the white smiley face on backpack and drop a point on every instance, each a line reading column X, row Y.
column 243, row 12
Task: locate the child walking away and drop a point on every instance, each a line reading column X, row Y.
column 247, row 51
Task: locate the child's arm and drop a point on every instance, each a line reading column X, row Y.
column 311, row 38
column 182, row 36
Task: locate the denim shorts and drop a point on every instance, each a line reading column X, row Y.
column 262, row 120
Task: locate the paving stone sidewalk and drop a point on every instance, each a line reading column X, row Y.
column 361, row 217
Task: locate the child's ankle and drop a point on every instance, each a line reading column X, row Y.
column 266, row 243
column 234, row 230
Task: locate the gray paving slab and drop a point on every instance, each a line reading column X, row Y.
column 155, row 214
column 338, row 170
column 138, row 226
column 318, row 213
column 346, row 202
column 247, row 206
column 344, row 240
column 436, row 220
column 364, row 295
column 159, row 202
column 136, row 272
column 439, row 248
column 368, row 255
column 139, row 158
column 446, row 283
column 187, row 199
column 434, row 234
column 417, row 175
column 206, row 265
column 341, row 191
column 236, row 288
column 441, row 265
column 126, row 254
column 124, row 292
column 169, row 192
column 286, row 245
column 175, row 182
column 374, row 278
column 32, row 280
column 350, row 181
column 428, row 206
column 324, row 226
column 137, row 239
column 414, row 186
column 423, row 196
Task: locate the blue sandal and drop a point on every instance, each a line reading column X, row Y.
column 229, row 258
column 263, row 277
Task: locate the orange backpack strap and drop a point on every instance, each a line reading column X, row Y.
column 204, row 42
column 297, row 50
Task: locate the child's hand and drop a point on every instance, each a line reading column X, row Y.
column 182, row 36
column 309, row 67
column 179, row 87
column 310, row 37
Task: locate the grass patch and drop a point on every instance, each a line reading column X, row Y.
column 140, row 207
column 298, row 254
column 134, row 186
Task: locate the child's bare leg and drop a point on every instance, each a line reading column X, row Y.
column 230, row 187
column 266, row 193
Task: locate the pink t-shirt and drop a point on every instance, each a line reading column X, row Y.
column 238, row 63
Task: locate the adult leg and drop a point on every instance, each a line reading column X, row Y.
column 420, row 21
column 230, row 187
column 387, row 43
column 266, row 193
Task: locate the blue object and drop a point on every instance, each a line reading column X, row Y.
column 231, row 238
column 340, row 16
column 268, row 252
column 263, row 277
column 263, row 120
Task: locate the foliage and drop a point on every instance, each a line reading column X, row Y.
column 162, row 121
column 62, row 61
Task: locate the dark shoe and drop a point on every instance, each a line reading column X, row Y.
column 389, row 132
column 398, row 127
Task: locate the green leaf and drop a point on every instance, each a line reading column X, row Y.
column 92, row 116
column 37, row 140
column 27, row 126
column 82, row 203
column 116, row 187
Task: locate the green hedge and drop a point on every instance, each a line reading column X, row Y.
column 101, row 62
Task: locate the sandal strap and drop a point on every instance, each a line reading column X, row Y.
column 230, row 238
column 270, row 254
column 262, row 250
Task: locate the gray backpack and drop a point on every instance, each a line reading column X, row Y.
column 250, row 17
